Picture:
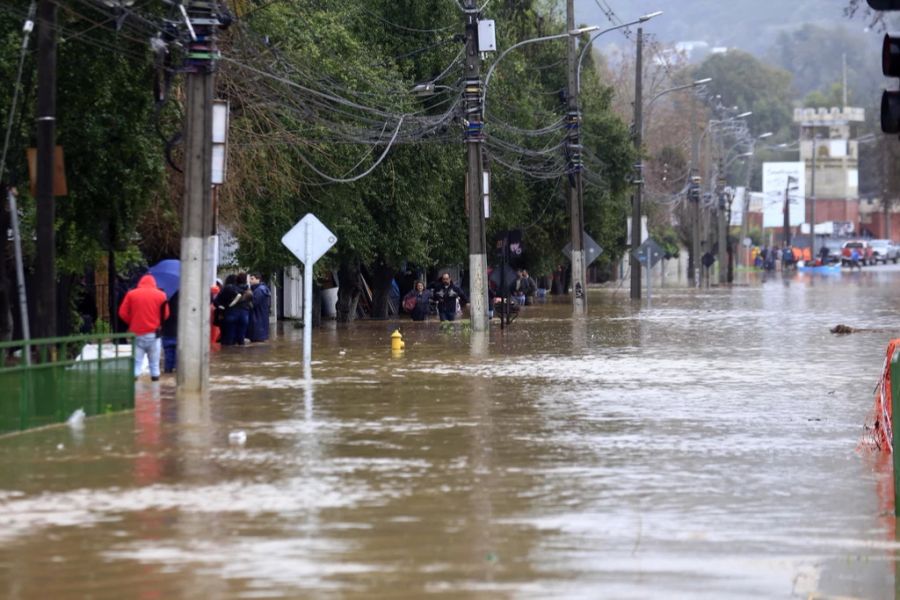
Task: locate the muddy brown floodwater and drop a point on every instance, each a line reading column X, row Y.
column 702, row 448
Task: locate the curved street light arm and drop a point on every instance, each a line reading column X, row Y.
column 677, row 88
column 545, row 38
column 591, row 41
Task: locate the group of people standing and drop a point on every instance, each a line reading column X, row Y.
column 443, row 295
column 239, row 311
column 447, row 299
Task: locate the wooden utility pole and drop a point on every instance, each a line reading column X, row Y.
column 196, row 246
column 576, row 168
column 478, row 295
column 45, row 263
column 639, row 176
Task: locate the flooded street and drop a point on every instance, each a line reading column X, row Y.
column 702, row 448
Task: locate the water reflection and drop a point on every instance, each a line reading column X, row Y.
column 703, row 447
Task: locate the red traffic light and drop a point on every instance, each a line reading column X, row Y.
column 884, row 4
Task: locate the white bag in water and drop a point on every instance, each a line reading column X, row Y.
column 76, row 420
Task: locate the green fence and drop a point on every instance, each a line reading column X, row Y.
column 91, row 372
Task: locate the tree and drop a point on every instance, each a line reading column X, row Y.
column 739, row 79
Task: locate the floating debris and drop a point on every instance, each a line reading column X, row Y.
column 76, row 419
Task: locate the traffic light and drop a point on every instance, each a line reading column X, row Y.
column 884, row 4
column 890, row 66
column 890, row 99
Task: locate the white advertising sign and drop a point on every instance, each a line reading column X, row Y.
column 779, row 177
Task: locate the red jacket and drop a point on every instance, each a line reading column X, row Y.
column 144, row 308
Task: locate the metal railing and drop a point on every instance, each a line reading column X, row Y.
column 91, row 372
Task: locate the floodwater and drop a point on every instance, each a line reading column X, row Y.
column 702, row 448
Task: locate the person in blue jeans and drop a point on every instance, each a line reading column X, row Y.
column 144, row 309
column 448, row 296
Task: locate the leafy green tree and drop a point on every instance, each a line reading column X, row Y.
column 742, row 80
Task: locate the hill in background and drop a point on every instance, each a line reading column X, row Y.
column 751, row 25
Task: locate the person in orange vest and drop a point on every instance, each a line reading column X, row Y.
column 144, row 309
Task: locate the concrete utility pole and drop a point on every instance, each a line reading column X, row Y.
column 745, row 216
column 696, row 263
column 45, row 264
column 639, row 175
column 196, row 249
column 812, row 193
column 722, row 225
column 475, row 180
column 576, row 167
column 786, row 236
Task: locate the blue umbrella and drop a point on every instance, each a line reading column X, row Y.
column 168, row 276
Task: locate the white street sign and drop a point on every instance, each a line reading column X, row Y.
column 308, row 240
column 320, row 239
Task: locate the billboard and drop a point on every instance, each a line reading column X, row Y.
column 776, row 179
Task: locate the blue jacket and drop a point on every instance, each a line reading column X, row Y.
column 258, row 331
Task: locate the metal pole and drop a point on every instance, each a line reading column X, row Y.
column 639, row 175
column 20, row 274
column 45, row 264
column 786, row 236
column 11, row 195
column 307, row 302
column 812, row 198
column 197, row 227
column 576, row 187
column 474, row 138
column 649, row 270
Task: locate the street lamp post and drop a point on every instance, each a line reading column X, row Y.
column 719, row 170
column 745, row 209
column 577, row 250
column 576, row 195
column 691, row 85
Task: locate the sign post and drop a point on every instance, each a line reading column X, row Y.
column 308, row 240
column 648, row 254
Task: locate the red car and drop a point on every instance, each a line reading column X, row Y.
column 862, row 246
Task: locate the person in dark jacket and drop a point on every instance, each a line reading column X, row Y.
column 258, row 331
column 170, row 335
column 448, row 296
column 226, row 301
column 144, row 309
column 418, row 302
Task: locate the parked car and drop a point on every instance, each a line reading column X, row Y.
column 862, row 246
column 884, row 251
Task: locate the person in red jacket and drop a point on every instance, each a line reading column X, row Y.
column 144, row 309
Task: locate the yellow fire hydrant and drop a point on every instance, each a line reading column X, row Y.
column 397, row 343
